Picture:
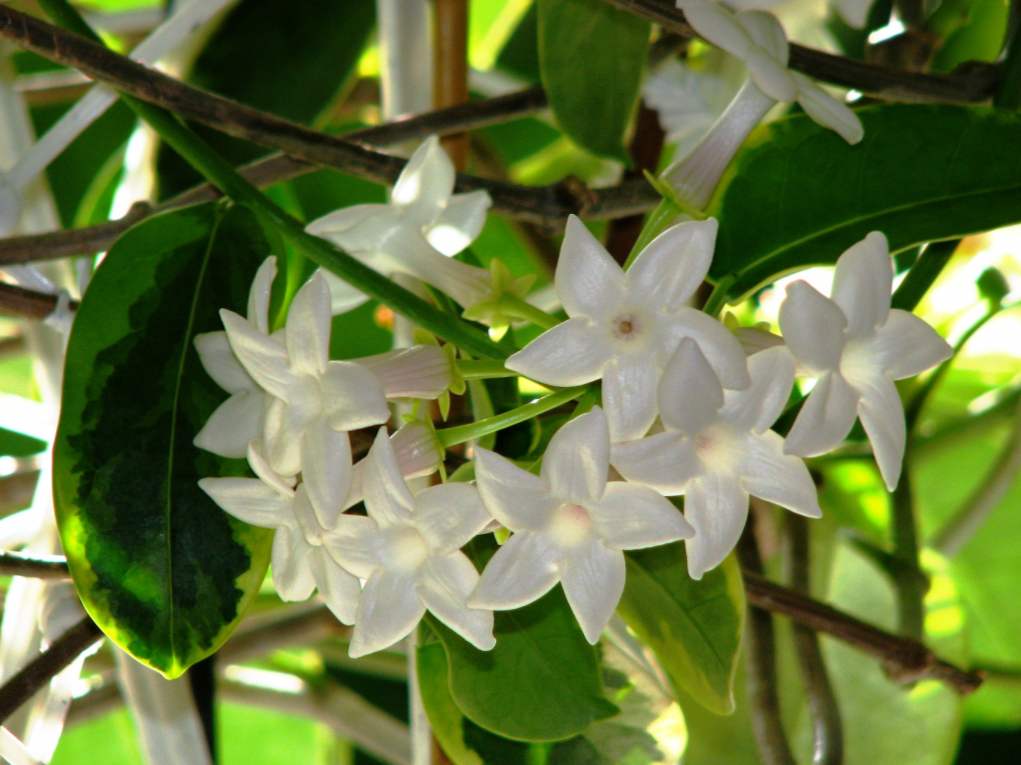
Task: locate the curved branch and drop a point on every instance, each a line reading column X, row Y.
column 26, row 303
column 50, row 567
column 976, row 83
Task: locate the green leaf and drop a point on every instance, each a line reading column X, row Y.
column 161, row 569
column 540, row 683
column 798, row 195
column 694, row 628
column 591, row 57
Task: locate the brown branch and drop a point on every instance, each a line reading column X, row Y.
column 450, row 67
column 38, row 672
column 26, row 303
column 970, row 84
column 905, row 660
column 38, row 567
column 546, row 205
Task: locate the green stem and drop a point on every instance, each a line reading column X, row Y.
column 219, row 172
column 911, row 583
column 517, row 308
column 462, row 433
column 718, row 297
column 659, row 219
column 923, row 273
column 483, row 369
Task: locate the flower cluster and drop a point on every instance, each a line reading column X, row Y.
column 686, row 411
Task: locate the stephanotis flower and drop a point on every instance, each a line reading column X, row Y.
column 756, row 38
column 623, row 326
column 301, row 516
column 238, row 420
column 306, row 386
column 717, row 450
column 856, row 346
column 415, row 234
column 570, row 525
column 407, row 550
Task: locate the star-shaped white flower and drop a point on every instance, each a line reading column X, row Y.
column 570, row 525
column 306, row 386
column 758, row 39
column 239, row 419
column 301, row 517
column 717, row 450
column 623, row 326
column 408, row 552
column 856, row 346
column 416, row 233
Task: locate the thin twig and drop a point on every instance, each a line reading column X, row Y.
column 760, row 642
column 905, row 660
column 38, row 672
column 26, row 303
column 49, row 567
column 975, row 83
column 827, row 729
column 546, row 205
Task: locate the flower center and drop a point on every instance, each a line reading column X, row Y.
column 719, row 448
column 405, row 549
column 626, row 327
column 858, row 362
column 571, row 525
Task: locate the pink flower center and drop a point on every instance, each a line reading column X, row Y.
column 571, row 524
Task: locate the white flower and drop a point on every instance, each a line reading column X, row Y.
column 301, row 517
column 239, row 419
column 408, row 552
column 856, row 346
column 756, row 38
column 424, row 222
column 570, row 525
column 717, row 450
column 306, row 386
column 624, row 326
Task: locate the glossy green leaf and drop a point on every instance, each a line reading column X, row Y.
column 162, row 570
column 694, row 628
column 591, row 56
column 798, row 195
column 540, row 683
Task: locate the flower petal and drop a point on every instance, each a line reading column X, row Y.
column 259, row 294
column 422, row 371
column 588, row 281
column 516, row 498
column 757, row 406
column 629, row 395
column 768, row 473
column 673, row 265
column 342, row 226
column 444, row 584
column 221, row 364
column 233, row 424
column 449, row 515
column 827, row 110
column 426, row 182
column 578, row 458
column 343, row 297
column 263, row 358
column 662, row 461
column 337, row 587
column 522, row 570
column 283, row 485
column 326, row 470
column 716, row 25
column 249, row 500
column 717, row 507
column 689, row 395
column 354, row 543
column 282, row 435
column 292, row 576
column 573, row 352
column 352, row 396
column 308, row 327
column 825, row 418
column 460, row 222
column 905, row 345
column 718, row 344
column 388, row 610
column 388, row 501
column 862, row 283
column 593, row 580
column 812, row 326
column 882, row 415
column 630, row 517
